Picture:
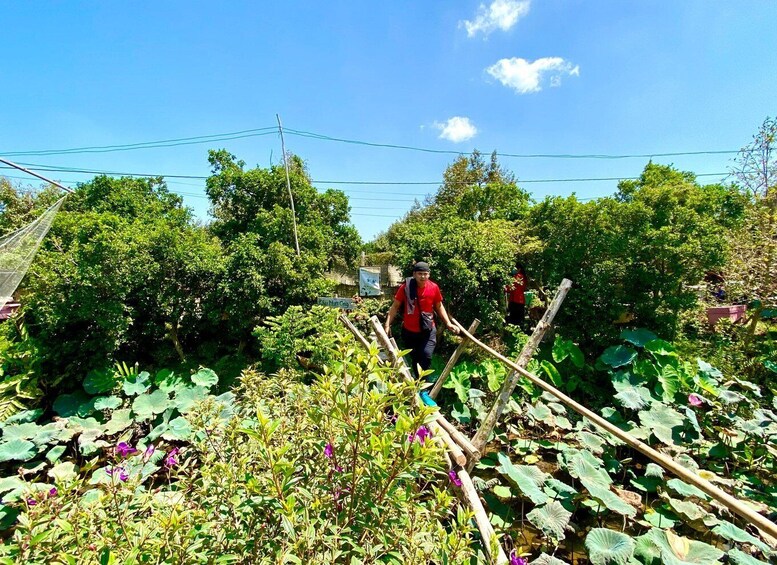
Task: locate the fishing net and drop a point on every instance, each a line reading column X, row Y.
column 18, row 248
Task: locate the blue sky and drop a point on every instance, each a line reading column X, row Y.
column 520, row 77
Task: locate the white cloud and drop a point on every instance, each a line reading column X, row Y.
column 501, row 14
column 457, row 129
column 524, row 76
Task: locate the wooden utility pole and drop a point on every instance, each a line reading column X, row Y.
column 288, row 185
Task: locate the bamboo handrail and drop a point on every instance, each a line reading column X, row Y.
column 473, row 454
column 452, row 361
column 730, row 502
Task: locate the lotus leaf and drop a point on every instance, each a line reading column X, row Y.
column 563, row 423
column 653, row 470
column 687, row 461
column 731, row 532
column 21, row 431
column 146, row 405
column 586, row 467
column 178, row 430
column 120, row 421
column 55, row 453
column 63, row 472
column 107, row 402
column 608, row 546
column 675, row 550
column 661, row 517
column 634, row 398
column 730, row 397
column 501, row 514
column 691, row 415
column 684, row 489
column 186, row 398
column 10, row 483
column 660, row 347
column 529, row 479
column 638, row 337
column 691, row 511
column 136, row 384
column 551, row 518
column 99, row 381
column 711, row 372
column 610, row 500
column 541, row 413
column 661, row 420
column 618, row 356
column 17, row 450
column 592, row 442
column 54, row 432
column 88, row 442
column 67, row 405
column 739, row 557
column 545, row 559
column 205, row 377
column 24, row 417
column 502, row 491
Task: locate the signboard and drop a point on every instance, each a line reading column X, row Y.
column 334, row 302
column 369, row 281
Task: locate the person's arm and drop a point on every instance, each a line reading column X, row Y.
column 390, row 316
column 440, row 309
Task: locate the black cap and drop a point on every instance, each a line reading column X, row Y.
column 421, row 266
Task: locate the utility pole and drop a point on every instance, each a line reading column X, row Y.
column 288, row 185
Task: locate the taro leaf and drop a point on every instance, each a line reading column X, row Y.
column 177, row 430
column 88, row 442
column 205, row 377
column 551, row 518
column 634, row 398
column 545, row 559
column 501, row 514
column 618, row 356
column 495, row 375
column 21, row 431
column 691, row 415
column 552, row 372
column 675, row 550
column 81, row 424
column 660, row 347
column 638, row 337
column 502, row 491
column 146, row 405
column 11, row 483
column 99, row 381
column 541, row 413
column 460, row 383
column 63, row 472
column 747, row 385
column 17, row 450
column 557, row 408
column 739, row 557
column 67, row 405
column 563, row 423
column 661, row 517
column 559, row 488
column 107, row 402
column 563, row 348
column 120, row 421
column 731, row 532
column 610, row 500
column 24, row 417
column 684, row 489
column 608, row 546
column 653, row 470
column 669, row 379
column 730, row 397
column 709, row 371
column 691, row 511
column 687, row 461
column 186, row 398
column 136, row 384
column 646, row 484
column 660, row 420
column 55, row 453
column 586, row 467
column 529, row 479
column 591, row 442
column 54, row 432
column 461, row 413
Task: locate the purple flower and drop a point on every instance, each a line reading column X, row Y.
column 329, row 451
column 148, row 453
column 123, row 475
column 421, row 434
column 338, row 469
column 32, row 501
column 695, row 400
column 172, row 460
column 454, row 478
column 53, row 491
column 515, row 560
column 123, row 449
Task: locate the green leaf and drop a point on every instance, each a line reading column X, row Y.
column 661, row 517
column 502, row 515
column 186, row 398
column 661, row 347
column 147, row 405
column 24, row 417
column 669, row 378
column 120, row 421
column 610, row 500
column 545, row 559
column 55, row 453
column 528, row 478
column 553, row 374
column 136, row 384
column 21, row 431
column 739, row 557
column 771, row 365
column 107, row 403
column 63, row 472
column 67, row 405
column 661, row 420
column 638, row 337
column 731, row 532
column 618, row 356
column 672, row 549
column 634, row 398
column 205, row 377
column 684, row 489
column 99, row 381
column 178, row 429
column 17, row 450
column 608, row 546
column 551, row 518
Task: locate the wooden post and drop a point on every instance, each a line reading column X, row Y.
column 470, row 450
column 356, row 333
column 472, row 498
column 481, row 437
column 667, row 463
column 452, row 361
column 453, row 448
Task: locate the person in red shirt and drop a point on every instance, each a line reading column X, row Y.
column 516, row 300
column 421, row 298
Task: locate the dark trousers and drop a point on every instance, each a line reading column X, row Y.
column 422, row 346
column 516, row 313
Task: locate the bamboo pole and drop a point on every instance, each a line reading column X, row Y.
column 487, row 533
column 452, row 361
column 356, row 333
column 453, row 448
column 472, row 453
column 481, row 437
column 730, row 502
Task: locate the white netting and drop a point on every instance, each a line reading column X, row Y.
column 18, row 248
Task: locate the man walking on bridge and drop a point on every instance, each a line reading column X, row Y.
column 421, row 298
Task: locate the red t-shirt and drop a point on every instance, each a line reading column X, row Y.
column 427, row 298
column 515, row 290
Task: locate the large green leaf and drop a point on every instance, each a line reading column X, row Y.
column 661, row 347
column 684, row 489
column 634, row 398
column 675, row 550
column 638, row 337
column 563, row 348
column 65, row 472
column 731, row 532
column 67, row 405
column 661, row 420
column 669, row 379
column 24, row 417
column 610, row 500
column 618, row 356
column 502, row 515
column 608, row 546
column 107, row 402
column 186, row 398
column 739, row 557
column 553, row 374
column 178, row 429
column 147, row 405
column 586, row 467
column 21, row 431
column 136, row 384
column 551, row 518
column 120, row 421
column 17, row 450
column 528, row 478
column 205, row 377
column 99, row 381
column 545, row 559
